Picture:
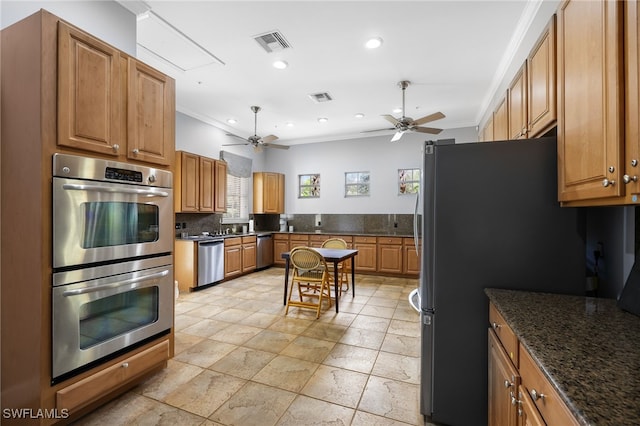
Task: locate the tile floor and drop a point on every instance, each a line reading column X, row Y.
column 240, row 361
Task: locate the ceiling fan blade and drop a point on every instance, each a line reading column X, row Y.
column 397, row 136
column 391, row 119
column 273, row 145
column 236, row 136
column 428, row 118
column 378, row 130
column 427, row 130
column 235, row 144
column 268, row 138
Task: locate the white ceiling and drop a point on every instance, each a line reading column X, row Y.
column 453, row 52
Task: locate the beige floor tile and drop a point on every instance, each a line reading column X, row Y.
column 403, row 345
column 286, row 373
column 233, row 315
column 398, row 367
column 291, row 325
column 371, row 323
column 206, row 311
column 205, row 393
column 270, row 341
column 236, row 334
column 337, row 385
column 184, row 341
column 404, row 328
column 166, row 381
column 362, row 418
column 308, row 349
column 387, row 302
column 363, row 338
column 254, row 404
column 205, row 353
column 326, row 331
column 205, row 327
column 184, row 306
column 352, row 358
column 392, row 399
column 243, row 362
column 259, row 319
column 185, row 320
column 377, row 311
column 308, row 411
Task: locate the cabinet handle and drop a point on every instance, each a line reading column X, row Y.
column 495, row 325
column 125, row 365
column 535, row 395
column 629, row 179
column 507, row 384
column 606, row 182
column 115, row 147
column 136, row 151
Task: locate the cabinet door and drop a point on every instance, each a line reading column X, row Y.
column 590, row 127
column 220, row 192
column 248, row 257
column 271, row 193
column 390, row 255
column 503, row 385
column 366, row 260
column 487, row 131
column 501, row 121
column 528, row 414
column 189, row 182
column 232, row 260
column 280, row 208
column 541, row 79
column 517, row 105
column 632, row 111
column 151, row 115
column 411, row 259
column 207, row 188
column 89, row 93
column 280, row 245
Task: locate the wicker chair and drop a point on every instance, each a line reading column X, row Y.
column 343, row 275
column 312, row 279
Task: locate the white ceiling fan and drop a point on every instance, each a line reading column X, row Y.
column 257, row 141
column 405, row 124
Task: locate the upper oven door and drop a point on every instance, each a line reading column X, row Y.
column 104, row 221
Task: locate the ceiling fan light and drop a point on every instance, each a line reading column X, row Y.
column 359, row 115
column 322, row 120
column 279, row 64
column 373, row 43
column 232, row 120
column 289, row 124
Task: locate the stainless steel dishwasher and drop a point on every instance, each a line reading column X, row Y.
column 210, row 261
column 264, row 252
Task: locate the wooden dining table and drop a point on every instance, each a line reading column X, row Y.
column 330, row 255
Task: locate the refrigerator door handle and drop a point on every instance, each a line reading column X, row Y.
column 413, row 296
column 415, row 222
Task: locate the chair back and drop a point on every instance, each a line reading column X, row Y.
column 306, row 259
column 334, row 243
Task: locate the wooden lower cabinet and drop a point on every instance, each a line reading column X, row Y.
column 367, row 258
column 232, row 257
column 249, row 252
column 411, row 257
column 519, row 392
column 389, row 255
column 280, row 245
column 91, row 388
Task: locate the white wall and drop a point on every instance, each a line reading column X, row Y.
column 106, row 20
column 331, row 160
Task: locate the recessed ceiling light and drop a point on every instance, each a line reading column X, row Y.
column 289, row 124
column 397, row 110
column 232, row 121
column 359, row 115
column 322, row 120
column 280, row 64
column 373, row 43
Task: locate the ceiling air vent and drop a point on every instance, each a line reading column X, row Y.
column 272, row 41
column 320, row 97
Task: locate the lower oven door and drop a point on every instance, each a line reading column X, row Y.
column 97, row 317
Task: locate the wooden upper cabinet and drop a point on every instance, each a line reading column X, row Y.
column 590, row 82
column 151, row 115
column 89, row 96
column 220, row 193
column 541, row 81
column 632, row 100
column 111, row 104
column 207, row 184
column 187, row 183
column 268, row 192
column 517, row 105
column 487, row 130
column 501, row 121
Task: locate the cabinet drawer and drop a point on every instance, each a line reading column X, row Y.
column 390, row 240
column 552, row 408
column 361, row 239
column 281, row 237
column 109, row 379
column 235, row 241
column 318, row 238
column 249, row 239
column 299, row 237
column 505, row 334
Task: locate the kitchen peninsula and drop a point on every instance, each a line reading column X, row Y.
column 587, row 348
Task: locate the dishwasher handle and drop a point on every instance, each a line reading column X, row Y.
column 210, row 243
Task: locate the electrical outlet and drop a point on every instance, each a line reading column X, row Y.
column 395, row 224
column 184, row 225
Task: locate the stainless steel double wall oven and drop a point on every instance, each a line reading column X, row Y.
column 112, row 259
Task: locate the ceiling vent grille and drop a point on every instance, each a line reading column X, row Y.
column 321, row 97
column 272, row 41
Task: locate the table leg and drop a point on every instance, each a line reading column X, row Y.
column 286, row 278
column 353, row 278
column 335, row 283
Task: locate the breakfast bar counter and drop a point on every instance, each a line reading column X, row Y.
column 588, row 348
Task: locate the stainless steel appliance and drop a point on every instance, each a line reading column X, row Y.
column 264, row 251
column 104, row 211
column 102, row 310
column 490, row 219
column 210, row 261
column 113, row 237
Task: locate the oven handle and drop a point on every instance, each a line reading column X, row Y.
column 116, row 284
column 97, row 188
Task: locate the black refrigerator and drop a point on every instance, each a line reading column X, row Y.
column 490, row 219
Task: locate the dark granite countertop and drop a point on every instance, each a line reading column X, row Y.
column 363, row 234
column 587, row 347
